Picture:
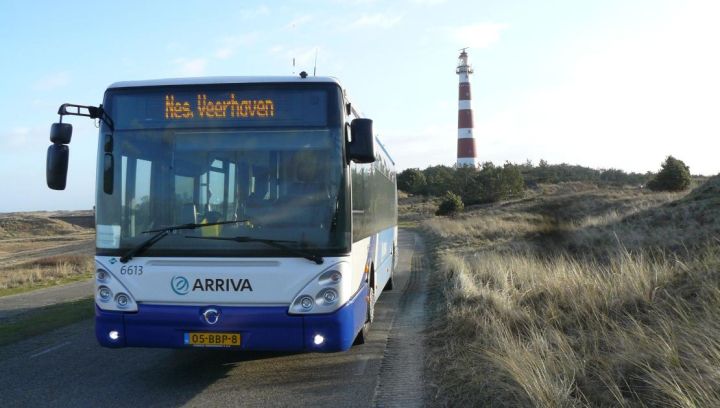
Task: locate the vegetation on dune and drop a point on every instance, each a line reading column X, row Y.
column 451, row 204
column 490, row 183
column 28, row 225
column 674, row 176
column 579, row 296
column 45, row 272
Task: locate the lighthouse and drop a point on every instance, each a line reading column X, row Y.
column 466, row 155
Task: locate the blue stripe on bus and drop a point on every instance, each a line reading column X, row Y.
column 261, row 328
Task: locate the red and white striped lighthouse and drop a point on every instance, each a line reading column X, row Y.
column 466, row 155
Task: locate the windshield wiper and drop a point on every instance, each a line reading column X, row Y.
column 277, row 243
column 163, row 232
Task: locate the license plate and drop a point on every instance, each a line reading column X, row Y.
column 212, row 339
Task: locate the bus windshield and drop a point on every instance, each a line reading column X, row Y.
column 287, row 182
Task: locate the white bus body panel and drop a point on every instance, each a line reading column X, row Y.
column 265, row 281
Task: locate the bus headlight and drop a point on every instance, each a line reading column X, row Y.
column 104, row 293
column 332, row 277
column 122, row 300
column 324, row 293
column 111, row 293
column 102, row 275
column 328, row 296
column 306, row 302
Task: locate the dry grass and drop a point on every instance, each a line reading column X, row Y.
column 13, row 245
column 46, row 271
column 19, row 225
column 588, row 298
column 412, row 209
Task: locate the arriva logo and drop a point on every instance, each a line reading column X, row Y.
column 180, row 285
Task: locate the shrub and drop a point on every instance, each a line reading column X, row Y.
column 439, row 179
column 412, row 181
column 492, row 184
column 450, row 205
column 674, row 176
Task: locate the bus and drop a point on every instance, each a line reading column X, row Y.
column 256, row 213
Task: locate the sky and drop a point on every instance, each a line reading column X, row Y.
column 605, row 84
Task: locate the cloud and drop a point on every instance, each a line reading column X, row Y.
column 22, row 138
column 190, row 66
column 626, row 103
column 229, row 45
column 304, row 56
column 354, row 2
column 422, row 146
column 253, row 13
column 298, row 21
column 378, row 20
column 52, row 81
column 428, row 2
column 17, row 137
column 480, row 35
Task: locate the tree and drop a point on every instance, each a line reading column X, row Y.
column 439, row 180
column 450, row 205
column 412, row 181
column 464, row 183
column 673, row 176
column 492, row 184
column 512, row 184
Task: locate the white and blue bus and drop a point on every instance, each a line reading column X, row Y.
column 251, row 212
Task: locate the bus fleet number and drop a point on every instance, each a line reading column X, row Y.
column 131, row 270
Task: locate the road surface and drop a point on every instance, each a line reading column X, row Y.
column 67, row 368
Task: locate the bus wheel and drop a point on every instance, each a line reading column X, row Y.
column 362, row 335
column 389, row 284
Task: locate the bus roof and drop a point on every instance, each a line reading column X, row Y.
column 222, row 80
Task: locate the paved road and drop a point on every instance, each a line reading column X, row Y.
column 13, row 305
column 67, row 368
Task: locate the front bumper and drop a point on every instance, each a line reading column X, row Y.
column 261, row 328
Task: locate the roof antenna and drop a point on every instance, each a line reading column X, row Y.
column 293, row 66
column 315, row 66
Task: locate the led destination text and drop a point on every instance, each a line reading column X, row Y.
column 207, row 108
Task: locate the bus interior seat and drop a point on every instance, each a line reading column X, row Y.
column 212, row 216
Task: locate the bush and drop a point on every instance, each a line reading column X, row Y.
column 450, row 205
column 674, row 176
column 412, row 181
column 439, row 180
column 492, row 184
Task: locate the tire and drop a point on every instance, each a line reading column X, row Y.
column 363, row 334
column 389, row 284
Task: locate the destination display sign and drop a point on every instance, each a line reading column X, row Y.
column 218, row 108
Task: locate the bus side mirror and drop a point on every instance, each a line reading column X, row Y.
column 61, row 133
column 57, row 165
column 361, row 148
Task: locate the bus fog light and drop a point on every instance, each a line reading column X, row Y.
column 114, row 335
column 102, row 275
column 319, row 339
column 329, row 296
column 306, row 302
column 104, row 293
column 122, row 300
